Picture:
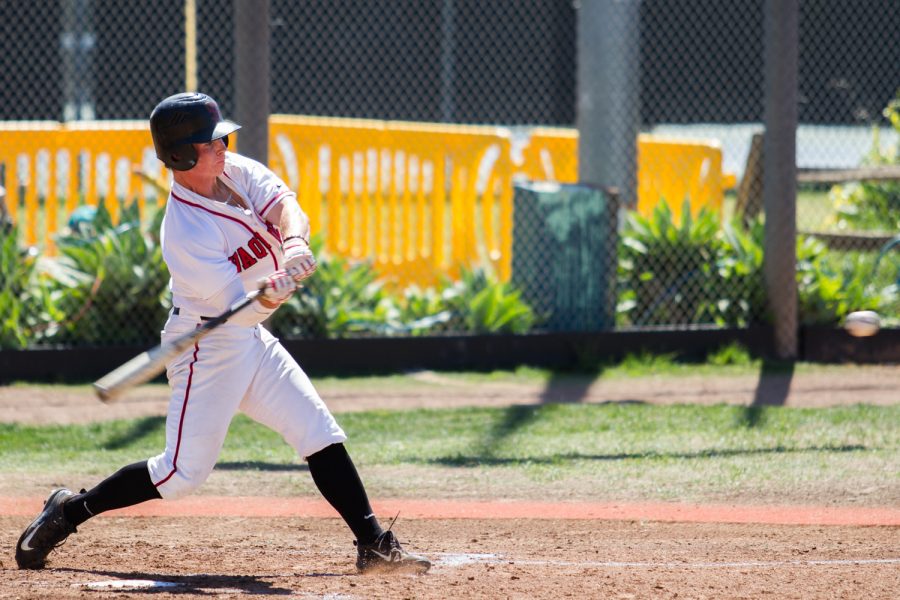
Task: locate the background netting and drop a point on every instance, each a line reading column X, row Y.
column 413, row 131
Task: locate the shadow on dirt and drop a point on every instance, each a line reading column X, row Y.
column 200, row 584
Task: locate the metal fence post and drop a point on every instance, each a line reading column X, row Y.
column 608, row 114
column 252, row 93
column 780, row 171
column 608, row 100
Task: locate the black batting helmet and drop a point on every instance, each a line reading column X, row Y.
column 182, row 120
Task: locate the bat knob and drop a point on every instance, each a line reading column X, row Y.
column 103, row 393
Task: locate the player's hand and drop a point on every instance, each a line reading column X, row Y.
column 277, row 288
column 299, row 261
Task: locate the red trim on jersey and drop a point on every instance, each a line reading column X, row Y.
column 187, row 394
column 224, row 216
column 272, row 201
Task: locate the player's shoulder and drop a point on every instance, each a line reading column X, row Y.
column 187, row 220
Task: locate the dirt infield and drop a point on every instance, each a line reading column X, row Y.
column 294, row 547
column 474, row 558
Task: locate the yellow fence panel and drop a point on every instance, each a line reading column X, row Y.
column 108, row 153
column 51, row 167
column 418, row 200
column 25, row 148
column 670, row 169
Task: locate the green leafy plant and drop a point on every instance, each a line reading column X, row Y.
column 480, row 303
column 111, row 284
column 667, row 268
column 342, row 298
column 831, row 285
column 739, row 297
column 26, row 303
column 664, row 280
column 872, row 205
column 730, row 354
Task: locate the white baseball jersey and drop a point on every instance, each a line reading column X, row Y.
column 216, row 253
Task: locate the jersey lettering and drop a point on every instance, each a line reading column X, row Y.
column 242, row 259
column 247, row 261
column 256, row 246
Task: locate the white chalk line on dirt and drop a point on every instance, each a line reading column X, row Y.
column 456, row 560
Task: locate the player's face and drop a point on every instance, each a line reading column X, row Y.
column 210, row 158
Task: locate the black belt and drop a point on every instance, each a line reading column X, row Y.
column 177, row 311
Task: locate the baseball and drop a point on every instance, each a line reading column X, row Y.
column 862, row 323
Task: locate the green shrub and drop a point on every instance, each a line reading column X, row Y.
column 480, row 303
column 346, row 298
column 26, row 302
column 833, row 284
column 663, row 279
column 666, row 268
column 739, row 297
column 872, row 205
column 112, row 285
column 341, row 298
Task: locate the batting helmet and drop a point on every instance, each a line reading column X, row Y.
column 182, row 120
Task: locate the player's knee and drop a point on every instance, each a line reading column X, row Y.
column 181, row 484
column 177, row 481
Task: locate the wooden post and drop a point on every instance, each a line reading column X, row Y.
column 750, row 191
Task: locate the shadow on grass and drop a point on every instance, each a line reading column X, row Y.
column 147, row 426
column 138, row 430
column 514, row 418
column 485, row 460
column 201, row 584
column 255, row 465
column 772, row 389
column 561, row 388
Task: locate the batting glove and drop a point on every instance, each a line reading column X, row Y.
column 299, row 261
column 277, row 288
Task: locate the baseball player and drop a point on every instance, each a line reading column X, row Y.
column 231, row 225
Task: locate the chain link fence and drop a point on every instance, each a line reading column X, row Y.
column 423, row 137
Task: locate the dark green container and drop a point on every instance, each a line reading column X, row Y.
column 564, row 254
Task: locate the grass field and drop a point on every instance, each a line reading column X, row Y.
column 614, row 451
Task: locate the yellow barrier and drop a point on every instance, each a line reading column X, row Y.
column 416, row 199
column 47, row 161
column 673, row 169
column 22, row 146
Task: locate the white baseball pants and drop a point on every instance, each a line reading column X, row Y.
column 233, row 368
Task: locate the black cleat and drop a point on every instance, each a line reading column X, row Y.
column 48, row 531
column 386, row 554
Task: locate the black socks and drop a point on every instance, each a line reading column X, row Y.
column 335, row 475
column 332, row 471
column 128, row 486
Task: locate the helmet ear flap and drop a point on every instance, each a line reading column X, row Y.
column 182, row 158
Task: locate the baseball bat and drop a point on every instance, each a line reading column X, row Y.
column 147, row 365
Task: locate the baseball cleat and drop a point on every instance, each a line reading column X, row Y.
column 48, row 531
column 386, row 554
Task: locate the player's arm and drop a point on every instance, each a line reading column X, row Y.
column 299, row 261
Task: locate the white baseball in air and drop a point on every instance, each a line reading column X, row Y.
column 862, row 323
